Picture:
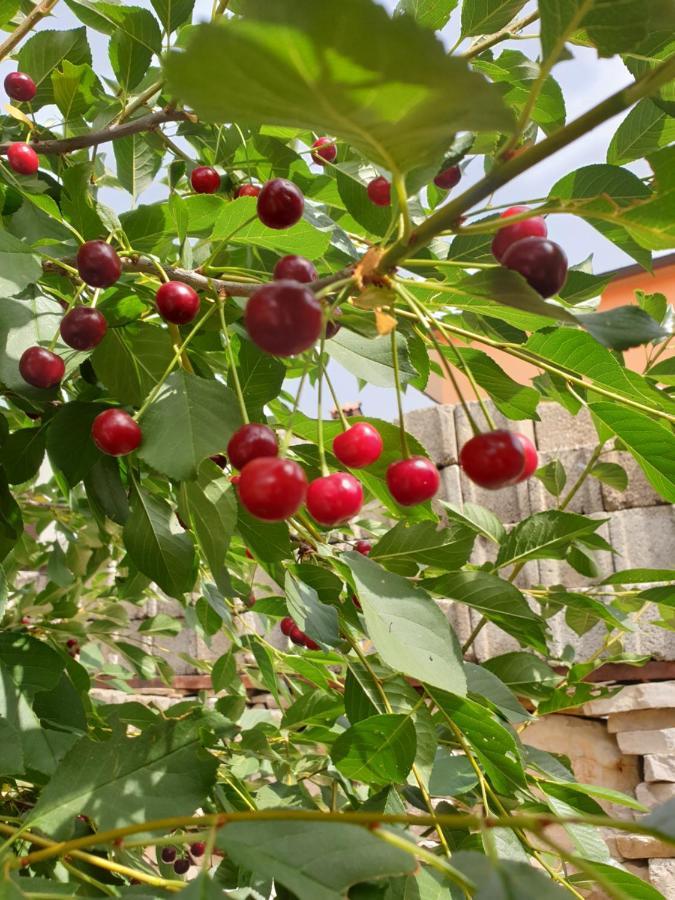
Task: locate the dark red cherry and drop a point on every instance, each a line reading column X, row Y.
column 114, row 432
column 283, row 318
column 412, row 480
column 181, row 866
column 219, row 459
column 41, row 368
column 247, row 190
column 83, row 328
column 297, row 636
column 310, row 644
column 448, row 178
column 493, row 459
column 22, row 158
column 324, row 151
column 204, row 180
column 358, row 446
column 71, row 642
column 542, row 263
column 98, row 264
column 334, row 498
column 177, row 303
column 333, row 325
column 168, row 854
column 531, row 457
column 251, row 441
column 295, row 268
column 379, row 191
column 280, row 204
column 509, row 234
column 287, row 625
column 20, row 86
column 272, row 489
column 363, row 547
column 198, row 848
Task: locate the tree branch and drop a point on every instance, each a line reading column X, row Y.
column 59, row 146
column 504, row 35
column 38, row 12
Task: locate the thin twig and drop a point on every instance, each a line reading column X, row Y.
column 39, row 12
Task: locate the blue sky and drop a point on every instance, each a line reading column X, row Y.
column 585, row 80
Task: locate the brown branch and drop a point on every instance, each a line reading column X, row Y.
column 504, row 35
column 38, row 12
column 150, row 122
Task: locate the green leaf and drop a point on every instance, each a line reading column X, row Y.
column 315, row 618
column 45, row 52
column 632, row 886
column 131, row 360
column 545, row 535
column 173, row 13
column 69, row 442
column 452, row 775
column 486, row 685
column 31, row 664
column 379, row 750
column 409, row 631
column 652, row 445
column 158, row 545
column 622, row 327
column 371, row 359
column 334, row 855
column 11, row 523
column 129, row 59
column 525, row 674
column 428, row 13
column 75, row 88
column 237, row 223
column 203, row 412
column 138, row 159
column 612, row 474
column 267, row 541
column 488, row 16
column 212, row 509
column 513, row 400
column 498, row 600
column 645, row 129
column 164, row 769
column 260, row 376
column 511, row 879
column 289, row 65
column 553, row 477
column 405, row 546
column 22, row 454
column 638, row 576
column 105, row 489
column 482, row 521
column 19, row 266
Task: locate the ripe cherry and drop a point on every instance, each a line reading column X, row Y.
column 309, row 643
column 41, row 368
column 295, row 268
column 20, row 86
column 358, row 446
column 448, row 178
column 272, row 489
column 509, row 234
column 181, row 866
column 542, row 263
column 493, row 459
column 363, row 547
column 247, row 190
column 531, row 457
column 204, row 180
column 22, row 158
column 168, row 854
column 332, row 325
column 379, row 191
column 250, row 442
column 198, row 848
column 324, row 151
column 334, row 498
column 114, row 432
column 98, row 264
column 219, row 459
column 283, row 318
column 177, row 303
column 412, row 480
column 71, row 642
column 287, row 625
column 280, row 203
column 83, row 328
column 297, row 636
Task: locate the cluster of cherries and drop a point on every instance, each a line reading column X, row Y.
column 21, row 157
column 181, row 864
column 379, row 189
column 525, row 248
column 299, row 638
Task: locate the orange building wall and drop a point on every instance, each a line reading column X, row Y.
column 619, row 292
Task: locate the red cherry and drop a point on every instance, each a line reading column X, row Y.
column 509, row 234
column 177, row 302
column 363, row 547
column 114, row 432
column 205, row 180
column 494, row 459
column 310, row 644
column 83, row 328
column 297, row 636
column 357, row 602
column 219, row 459
column 283, row 318
column 324, row 151
column 280, row 203
column 358, row 446
column 251, row 441
column 198, row 848
column 181, row 866
column 168, row 854
column 334, row 498
column 272, row 489
column 248, row 553
column 235, row 479
column 22, row 158
column 542, row 263
column 412, row 480
column 247, row 190
column 332, row 325
column 20, row 86
column 448, row 178
column 98, row 264
column 295, row 268
column 531, row 458
column 379, row 191
column 41, row 368
column 287, row 625
column 71, row 642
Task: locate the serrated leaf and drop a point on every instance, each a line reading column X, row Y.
column 553, row 477
column 75, row 89
column 428, row 13
column 371, row 359
column 525, row 674
column 173, row 13
column 69, row 442
column 379, row 750
column 138, row 160
column 482, row 521
column 612, row 474
column 237, row 223
column 513, row 400
column 131, row 360
column 544, row 535
column 644, row 130
column 212, row 509
column 22, row 454
column 260, row 376
column 313, row 617
column 45, row 52
column 622, row 327
column 488, row 16
column 19, row 266
column 423, row 543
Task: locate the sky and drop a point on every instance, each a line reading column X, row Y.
column 585, row 80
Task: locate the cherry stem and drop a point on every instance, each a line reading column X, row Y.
column 340, row 411
column 71, row 304
column 319, row 404
column 397, row 381
column 402, row 197
column 233, row 366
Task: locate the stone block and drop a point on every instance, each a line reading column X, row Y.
column 641, row 720
column 558, row 430
column 640, row 846
column 654, row 695
column 662, row 877
column 640, row 742
column 434, row 428
column 655, row 794
column 659, row 768
column 650, row 640
column 643, row 537
column 459, row 616
column 588, row 498
column 510, row 504
column 638, row 494
column 450, row 489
